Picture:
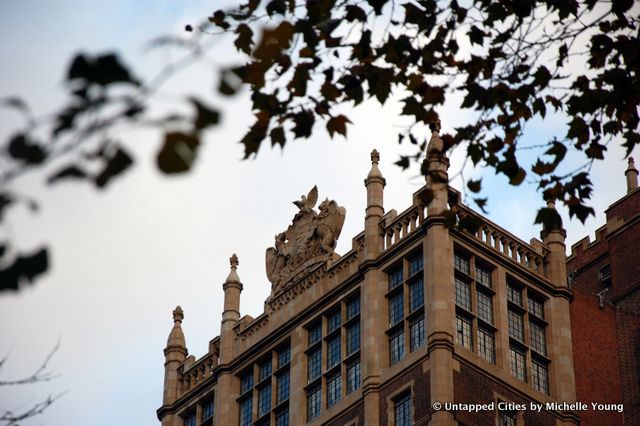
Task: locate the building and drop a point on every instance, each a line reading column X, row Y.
column 420, row 323
column 605, row 277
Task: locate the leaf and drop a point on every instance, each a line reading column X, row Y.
column 549, row 218
column 21, row 148
column 244, row 41
column 115, row 164
column 219, row 19
column 303, row 124
column 72, row 171
column 15, row 102
column 24, row 268
column 205, row 116
column 355, row 13
column 177, row 153
column 276, row 7
column 481, row 203
column 6, row 199
column 403, row 162
column 377, row 5
column 277, row 137
column 474, row 185
column 476, row 35
column 102, row 70
column 298, row 83
column 230, row 81
column 338, row 124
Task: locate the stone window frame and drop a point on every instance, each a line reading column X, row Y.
column 206, row 406
column 253, row 379
column 479, row 276
column 349, row 309
column 531, row 309
column 411, row 267
column 407, row 388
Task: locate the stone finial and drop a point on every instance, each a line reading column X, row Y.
column 178, row 315
column 632, row 176
column 375, row 156
column 375, row 172
column 233, row 275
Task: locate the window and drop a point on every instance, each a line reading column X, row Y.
column 207, row 409
column 516, row 326
column 395, row 277
column 528, row 353
column 406, row 307
column 463, row 294
column 463, row 332
column 396, row 308
column 416, row 295
column 339, row 369
column 334, row 389
column 315, row 364
column 518, row 368
column 282, row 417
column 402, row 411
column 264, row 400
column 487, row 345
column 190, row 419
column 474, row 306
column 314, row 399
column 461, row 263
column 265, row 370
column 353, row 376
column 540, row 375
column 333, row 352
column 507, row 418
column 334, row 320
column 246, row 381
column 246, row 406
column 260, row 382
column 396, row 346
column 284, row 357
column 282, row 393
column 353, row 338
column 315, row 334
column 416, row 336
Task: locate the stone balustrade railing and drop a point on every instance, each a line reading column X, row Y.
column 193, row 373
column 531, row 256
column 395, row 228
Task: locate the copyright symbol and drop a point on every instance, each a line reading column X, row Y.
column 437, row 406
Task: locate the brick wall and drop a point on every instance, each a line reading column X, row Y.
column 628, row 322
column 349, row 416
column 421, row 394
column 595, row 357
column 472, row 386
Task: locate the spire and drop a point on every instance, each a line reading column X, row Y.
column 632, row 176
column 176, row 337
column 437, row 176
column 374, row 183
column 233, row 275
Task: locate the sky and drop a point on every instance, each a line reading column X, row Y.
column 123, row 258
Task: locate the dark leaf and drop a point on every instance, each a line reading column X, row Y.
column 277, row 137
column 205, row 116
column 481, row 203
column 102, row 70
column 549, row 218
column 377, row 5
column 355, row 13
column 338, row 124
column 303, row 124
column 177, row 153
column 276, row 7
column 24, row 268
column 23, row 149
column 188, row 28
column 115, row 164
column 474, row 185
column 403, row 162
column 230, row 81
column 256, row 134
column 244, row 41
column 68, row 172
column 470, row 224
column 476, row 35
column 219, row 19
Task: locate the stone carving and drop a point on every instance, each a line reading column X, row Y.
column 309, row 240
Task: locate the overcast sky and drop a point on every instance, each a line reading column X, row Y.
column 122, row 259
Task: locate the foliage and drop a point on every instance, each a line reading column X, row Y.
column 511, row 62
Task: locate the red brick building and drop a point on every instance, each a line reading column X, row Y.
column 605, row 321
